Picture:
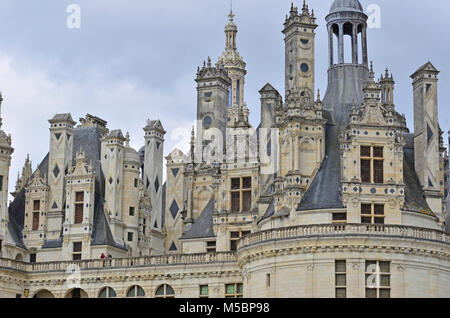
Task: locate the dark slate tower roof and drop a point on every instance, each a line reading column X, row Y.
column 346, row 5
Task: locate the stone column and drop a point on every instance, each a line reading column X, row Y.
column 355, row 44
column 364, row 45
column 341, row 43
column 331, row 44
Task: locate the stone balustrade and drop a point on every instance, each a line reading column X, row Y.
column 111, row 263
column 305, row 231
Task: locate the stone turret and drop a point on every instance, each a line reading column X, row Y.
column 60, row 160
column 23, row 179
column 153, row 174
column 5, row 162
column 212, row 105
column 113, row 165
column 299, row 50
column 427, row 135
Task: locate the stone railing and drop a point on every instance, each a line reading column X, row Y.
column 305, row 231
column 165, row 260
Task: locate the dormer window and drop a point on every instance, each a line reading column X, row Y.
column 36, row 213
column 372, row 165
column 79, row 204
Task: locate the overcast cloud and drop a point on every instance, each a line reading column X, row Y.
column 137, row 59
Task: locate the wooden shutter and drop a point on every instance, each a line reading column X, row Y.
column 78, row 213
column 35, row 221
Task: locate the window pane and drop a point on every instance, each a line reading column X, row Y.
column 366, row 209
column 246, row 201
column 247, row 183
column 379, row 220
column 140, row 291
column 230, row 289
column 132, row 292
column 341, row 280
column 385, row 293
column 235, row 184
column 76, row 257
column 378, row 171
column 78, row 213
column 35, row 221
column 112, row 293
column 341, row 293
column 366, row 220
column 379, row 209
column 378, row 152
column 244, row 233
column 365, row 171
column 235, row 202
column 204, row 291
column 79, row 197
column 240, row 288
column 341, row 266
column 371, row 293
column 36, row 205
column 102, row 293
column 385, row 280
column 371, row 267
column 77, row 247
column 365, row 151
column 233, row 245
column 160, row 291
column 170, row 290
column 385, row 267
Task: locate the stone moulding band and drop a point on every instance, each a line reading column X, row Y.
column 328, row 230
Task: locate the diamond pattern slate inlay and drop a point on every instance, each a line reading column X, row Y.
column 156, row 185
column 175, row 172
column 56, row 171
column 174, row 209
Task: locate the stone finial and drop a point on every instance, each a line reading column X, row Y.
column 127, row 139
column 209, row 62
column 318, row 95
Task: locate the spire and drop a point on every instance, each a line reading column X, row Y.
column 371, row 73
column 192, row 144
column 230, row 32
column 127, row 140
column 1, row 100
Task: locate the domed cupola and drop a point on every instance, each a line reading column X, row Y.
column 346, row 5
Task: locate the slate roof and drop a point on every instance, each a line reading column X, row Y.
column 203, row 226
column 269, row 212
column 414, row 197
column 87, row 138
column 325, row 190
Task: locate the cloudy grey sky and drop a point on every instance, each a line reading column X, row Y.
column 137, row 59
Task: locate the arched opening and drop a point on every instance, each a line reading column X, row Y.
column 136, row 292
column 335, row 44
column 107, row 292
column 76, row 293
column 165, row 291
column 19, row 257
column 360, row 44
column 348, row 43
column 44, row 293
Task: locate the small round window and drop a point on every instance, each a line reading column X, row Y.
column 304, row 67
column 305, row 41
column 207, row 121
